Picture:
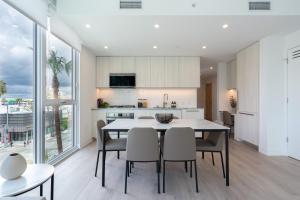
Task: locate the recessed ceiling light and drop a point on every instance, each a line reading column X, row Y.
column 105, row 47
column 15, row 26
column 88, row 26
column 224, row 26
column 204, row 47
column 154, row 47
column 211, row 68
column 156, row 25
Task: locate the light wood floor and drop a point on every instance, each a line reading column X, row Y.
column 253, row 176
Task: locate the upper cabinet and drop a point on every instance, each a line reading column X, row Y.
column 102, row 72
column 128, row 65
column 172, row 72
column 157, row 75
column 143, row 70
column 189, row 72
column 152, row 72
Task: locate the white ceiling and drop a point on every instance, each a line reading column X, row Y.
column 177, row 35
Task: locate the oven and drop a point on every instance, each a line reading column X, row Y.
column 112, row 116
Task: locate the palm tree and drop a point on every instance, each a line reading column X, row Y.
column 57, row 65
column 2, row 87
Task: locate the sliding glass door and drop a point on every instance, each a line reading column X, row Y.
column 59, row 99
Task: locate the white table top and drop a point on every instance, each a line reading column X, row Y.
column 196, row 124
column 32, row 177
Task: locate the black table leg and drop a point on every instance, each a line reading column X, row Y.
column 52, row 188
column 103, row 158
column 227, row 156
column 41, row 190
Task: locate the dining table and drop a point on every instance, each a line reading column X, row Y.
column 198, row 125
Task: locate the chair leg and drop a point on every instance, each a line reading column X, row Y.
column 191, row 169
column 164, row 176
column 130, row 166
column 202, row 154
column 196, row 176
column 222, row 164
column 212, row 158
column 158, row 176
column 118, row 155
column 185, row 166
column 96, row 170
column 126, row 174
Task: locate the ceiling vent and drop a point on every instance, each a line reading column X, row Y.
column 259, row 5
column 130, row 4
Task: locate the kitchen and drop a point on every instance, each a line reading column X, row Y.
column 132, row 87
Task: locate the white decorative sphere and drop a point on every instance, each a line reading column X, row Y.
column 13, row 166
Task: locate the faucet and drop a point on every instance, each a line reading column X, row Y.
column 165, row 100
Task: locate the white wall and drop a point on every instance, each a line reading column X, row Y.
column 272, row 138
column 87, row 94
column 185, row 98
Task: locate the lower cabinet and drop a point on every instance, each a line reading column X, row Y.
column 246, row 127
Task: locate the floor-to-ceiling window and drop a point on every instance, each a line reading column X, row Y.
column 16, row 83
column 38, row 104
column 59, row 98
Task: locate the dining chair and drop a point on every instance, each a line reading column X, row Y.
column 228, row 120
column 179, row 146
column 145, row 117
column 110, row 144
column 213, row 143
column 142, row 146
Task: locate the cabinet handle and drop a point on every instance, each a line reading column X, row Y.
column 244, row 113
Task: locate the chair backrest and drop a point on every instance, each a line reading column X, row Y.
column 227, row 119
column 100, row 125
column 179, row 144
column 142, row 145
column 145, row 117
column 216, row 139
column 174, row 117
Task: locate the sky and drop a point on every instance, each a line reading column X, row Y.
column 16, row 55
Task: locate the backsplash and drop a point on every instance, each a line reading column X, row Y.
column 185, row 98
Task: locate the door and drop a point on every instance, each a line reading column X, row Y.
column 293, row 103
column 208, row 101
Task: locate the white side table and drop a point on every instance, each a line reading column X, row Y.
column 34, row 176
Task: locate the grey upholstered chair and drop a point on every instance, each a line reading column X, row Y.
column 110, row 145
column 179, row 146
column 145, row 117
column 174, row 117
column 142, row 146
column 213, row 143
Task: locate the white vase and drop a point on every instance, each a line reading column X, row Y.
column 13, row 166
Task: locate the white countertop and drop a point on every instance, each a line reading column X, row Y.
column 196, row 124
column 159, row 108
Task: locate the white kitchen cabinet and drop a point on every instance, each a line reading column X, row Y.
column 248, row 79
column 128, row 65
column 115, row 65
column 189, row 72
column 102, row 72
column 192, row 113
column 247, row 124
column 172, row 72
column 246, row 127
column 143, row 70
column 157, row 75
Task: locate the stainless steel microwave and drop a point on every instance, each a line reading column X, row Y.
column 122, row 80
